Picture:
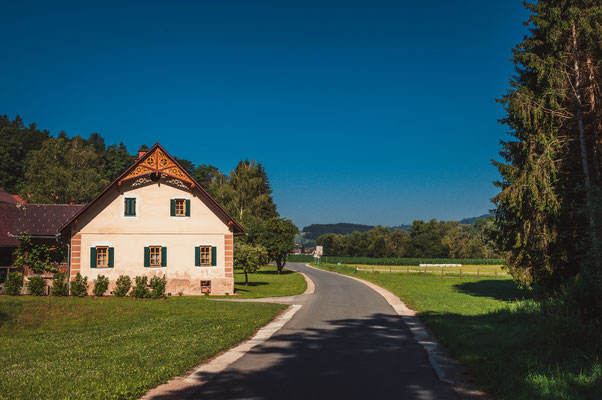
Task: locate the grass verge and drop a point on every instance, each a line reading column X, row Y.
column 267, row 283
column 509, row 343
column 72, row 348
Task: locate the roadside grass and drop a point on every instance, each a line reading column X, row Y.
column 465, row 269
column 267, row 283
column 107, row 348
column 509, row 342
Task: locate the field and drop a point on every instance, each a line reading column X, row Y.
column 72, row 348
column 267, row 283
column 509, row 345
column 396, row 261
column 484, row 270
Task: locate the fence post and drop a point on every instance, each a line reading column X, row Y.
column 424, row 271
column 373, row 270
column 441, row 272
column 477, row 272
column 460, row 272
column 496, row 273
column 389, row 270
column 408, row 269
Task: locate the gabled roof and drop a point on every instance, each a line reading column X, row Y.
column 158, row 161
column 5, row 197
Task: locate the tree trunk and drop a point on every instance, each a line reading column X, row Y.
column 596, row 122
column 246, row 279
column 279, row 265
column 584, row 161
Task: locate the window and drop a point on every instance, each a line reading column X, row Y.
column 180, row 207
column 205, row 255
column 205, row 286
column 102, row 257
column 130, row 207
column 155, row 256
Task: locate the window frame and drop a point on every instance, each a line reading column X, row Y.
column 208, row 255
column 125, row 207
column 158, row 255
column 181, row 202
column 106, row 256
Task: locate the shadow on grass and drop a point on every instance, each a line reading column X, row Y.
column 518, row 354
column 498, row 289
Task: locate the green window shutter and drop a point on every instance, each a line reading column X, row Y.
column 213, row 256
column 197, row 256
column 147, row 257
column 164, row 256
column 111, row 257
column 130, row 207
column 172, row 210
column 187, row 207
column 92, row 257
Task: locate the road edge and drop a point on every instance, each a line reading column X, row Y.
column 209, row 369
column 447, row 369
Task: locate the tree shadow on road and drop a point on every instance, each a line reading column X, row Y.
column 369, row 358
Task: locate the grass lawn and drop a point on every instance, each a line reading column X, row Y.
column 509, row 347
column 267, row 283
column 72, row 348
column 465, row 269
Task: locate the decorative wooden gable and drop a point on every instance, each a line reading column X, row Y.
column 158, row 164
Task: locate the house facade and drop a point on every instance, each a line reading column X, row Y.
column 155, row 220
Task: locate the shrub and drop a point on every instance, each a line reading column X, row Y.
column 59, row 285
column 122, row 286
column 36, row 286
column 101, row 284
column 13, row 284
column 79, row 286
column 140, row 290
column 157, row 287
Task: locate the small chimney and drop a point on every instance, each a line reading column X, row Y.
column 142, row 151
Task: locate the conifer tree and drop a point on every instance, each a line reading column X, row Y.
column 546, row 210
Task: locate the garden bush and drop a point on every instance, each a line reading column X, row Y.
column 140, row 290
column 14, row 284
column 157, row 286
column 59, row 285
column 36, row 286
column 101, row 284
column 79, row 286
column 122, row 286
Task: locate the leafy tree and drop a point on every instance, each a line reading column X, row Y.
column 277, row 236
column 546, row 211
column 206, row 175
column 16, row 142
column 63, row 172
column 249, row 258
column 115, row 159
column 37, row 257
column 186, row 164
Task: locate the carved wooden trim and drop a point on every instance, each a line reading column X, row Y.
column 158, row 162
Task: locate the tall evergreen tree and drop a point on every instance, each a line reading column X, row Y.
column 546, row 207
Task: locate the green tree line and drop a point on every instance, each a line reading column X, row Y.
column 432, row 239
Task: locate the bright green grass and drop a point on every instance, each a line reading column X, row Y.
column 267, row 283
column 508, row 345
column 465, row 269
column 71, row 348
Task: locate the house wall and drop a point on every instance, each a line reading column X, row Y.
column 104, row 224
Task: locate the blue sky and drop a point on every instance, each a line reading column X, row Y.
column 375, row 112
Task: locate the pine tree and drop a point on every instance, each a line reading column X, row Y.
column 546, row 207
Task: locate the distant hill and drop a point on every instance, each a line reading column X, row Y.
column 470, row 221
column 314, row 231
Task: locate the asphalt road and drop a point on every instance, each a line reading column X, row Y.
column 346, row 342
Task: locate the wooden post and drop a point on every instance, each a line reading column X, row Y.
column 424, row 271
column 389, row 270
column 373, row 270
column 496, row 273
column 477, row 272
column 460, row 272
column 408, row 269
column 441, row 272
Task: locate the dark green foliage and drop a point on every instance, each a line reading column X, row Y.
column 140, row 289
column 551, row 167
column 115, row 160
column 101, row 284
column 79, row 286
column 16, row 142
column 433, row 239
column 276, row 236
column 13, row 284
column 122, row 286
column 36, row 286
column 400, row 261
column 157, row 286
column 59, row 285
column 39, row 257
column 314, row 231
